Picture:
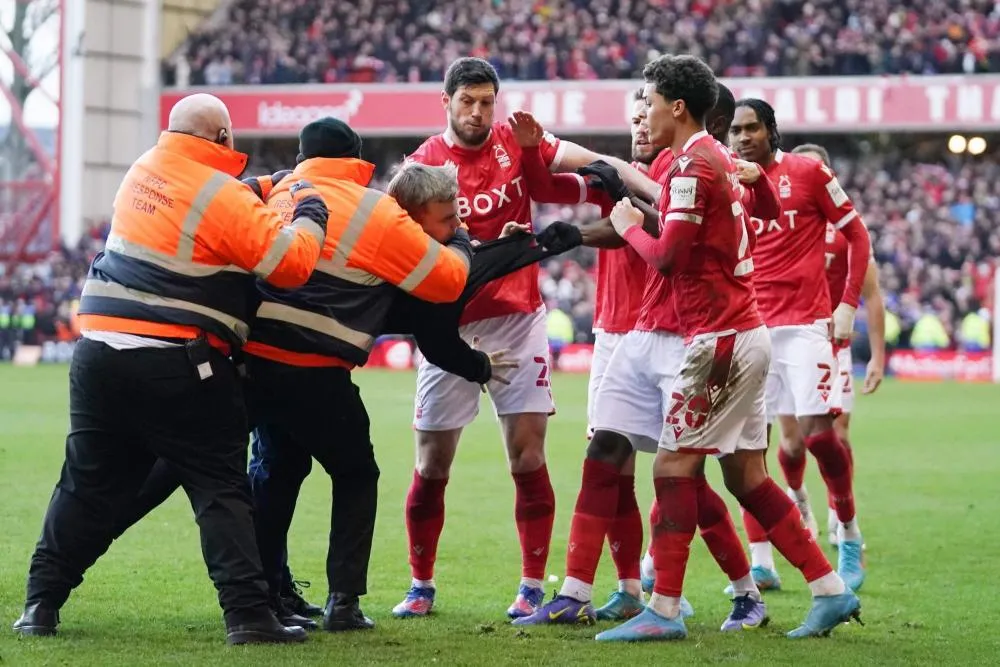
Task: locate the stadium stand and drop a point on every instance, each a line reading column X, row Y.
column 300, row 41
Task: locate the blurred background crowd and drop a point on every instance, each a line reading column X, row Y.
column 294, row 41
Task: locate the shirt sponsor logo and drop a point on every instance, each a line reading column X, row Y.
column 682, row 191
column 837, row 194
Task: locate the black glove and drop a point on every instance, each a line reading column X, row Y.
column 278, row 175
column 606, row 177
column 485, row 371
column 309, row 204
column 560, row 237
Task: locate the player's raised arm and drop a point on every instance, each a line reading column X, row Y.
column 573, row 156
column 875, row 308
column 839, row 210
column 543, row 185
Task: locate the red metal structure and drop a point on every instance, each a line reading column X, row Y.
column 29, row 197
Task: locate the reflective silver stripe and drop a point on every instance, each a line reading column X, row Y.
column 337, row 265
column 200, row 203
column 99, row 288
column 120, row 246
column 356, row 225
column 466, row 260
column 279, row 248
column 423, row 267
column 310, row 226
column 325, row 325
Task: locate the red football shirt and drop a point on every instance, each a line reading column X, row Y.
column 836, row 263
column 621, row 282
column 789, row 258
column 492, row 193
column 657, row 311
column 713, row 288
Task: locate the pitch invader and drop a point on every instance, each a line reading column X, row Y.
column 507, row 313
column 630, row 406
column 842, row 399
column 717, row 400
column 794, row 301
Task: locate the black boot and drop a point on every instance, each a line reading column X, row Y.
column 261, row 628
column 289, row 618
column 38, row 620
column 343, row 612
column 291, row 596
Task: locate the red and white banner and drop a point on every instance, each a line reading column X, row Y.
column 813, row 105
column 945, row 365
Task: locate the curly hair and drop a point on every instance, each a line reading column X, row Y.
column 684, row 78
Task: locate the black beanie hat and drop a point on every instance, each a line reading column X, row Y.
column 329, row 138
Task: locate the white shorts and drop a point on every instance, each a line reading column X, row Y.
column 717, row 402
column 633, row 394
column 801, row 379
column 444, row 401
column 604, row 345
column 842, row 398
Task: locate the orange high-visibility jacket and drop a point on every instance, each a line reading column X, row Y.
column 186, row 241
column 372, row 248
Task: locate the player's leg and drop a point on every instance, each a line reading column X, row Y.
column 625, row 543
column 445, row 404
column 672, row 523
column 720, row 381
column 778, row 400
column 792, row 458
column 812, row 388
column 844, row 402
column 523, row 408
column 628, row 403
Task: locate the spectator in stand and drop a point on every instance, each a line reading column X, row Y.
column 363, row 41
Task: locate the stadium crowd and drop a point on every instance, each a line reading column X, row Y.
column 935, row 229
column 294, row 41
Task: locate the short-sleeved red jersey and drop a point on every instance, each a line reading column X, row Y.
column 789, row 257
column 492, row 193
column 713, row 288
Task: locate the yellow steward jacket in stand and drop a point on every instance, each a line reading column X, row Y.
column 187, row 240
column 372, row 248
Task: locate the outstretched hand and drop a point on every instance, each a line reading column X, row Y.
column 528, row 132
column 498, row 362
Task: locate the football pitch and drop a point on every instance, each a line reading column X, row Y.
column 928, row 486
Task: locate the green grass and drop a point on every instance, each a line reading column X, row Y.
column 927, row 478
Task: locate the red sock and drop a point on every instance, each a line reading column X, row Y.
column 596, row 507
column 778, row 515
column 755, row 532
column 835, row 467
column 677, row 501
column 625, row 531
column 654, row 518
column 534, row 512
column 719, row 533
column 424, row 523
column 794, row 468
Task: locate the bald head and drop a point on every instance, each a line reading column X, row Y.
column 202, row 115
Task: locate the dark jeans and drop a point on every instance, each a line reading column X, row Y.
column 129, row 408
column 303, row 413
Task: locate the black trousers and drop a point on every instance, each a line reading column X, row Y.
column 303, row 413
column 129, row 408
